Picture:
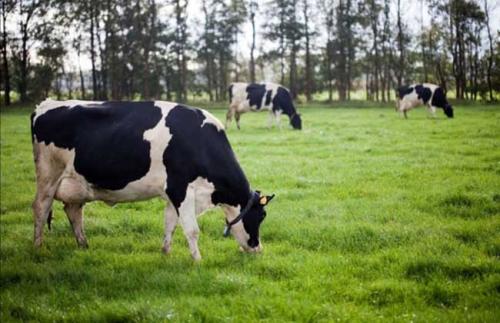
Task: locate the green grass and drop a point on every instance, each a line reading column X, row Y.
column 375, row 218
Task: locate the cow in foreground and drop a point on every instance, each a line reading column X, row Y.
column 408, row 97
column 129, row 151
column 244, row 97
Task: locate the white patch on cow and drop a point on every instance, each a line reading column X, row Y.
column 239, row 102
column 166, row 106
column 237, row 230
column 154, row 182
column 211, row 119
column 203, row 190
column 274, row 88
column 49, row 104
column 198, row 199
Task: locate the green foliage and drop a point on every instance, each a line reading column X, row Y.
column 375, row 218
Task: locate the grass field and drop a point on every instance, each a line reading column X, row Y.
column 376, row 218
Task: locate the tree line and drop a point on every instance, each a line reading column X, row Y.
column 159, row 49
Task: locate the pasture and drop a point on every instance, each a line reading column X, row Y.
column 375, row 218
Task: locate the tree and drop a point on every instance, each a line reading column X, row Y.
column 287, row 30
column 402, row 40
column 180, row 46
column 327, row 6
column 7, row 7
column 308, row 34
column 490, row 48
column 344, row 47
column 275, row 30
column 463, row 15
column 27, row 11
column 253, row 8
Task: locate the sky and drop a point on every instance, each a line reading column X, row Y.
column 412, row 13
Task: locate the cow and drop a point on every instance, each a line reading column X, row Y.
column 408, row 97
column 129, row 151
column 244, row 97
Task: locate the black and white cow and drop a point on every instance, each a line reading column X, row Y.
column 129, row 151
column 244, row 97
column 408, row 97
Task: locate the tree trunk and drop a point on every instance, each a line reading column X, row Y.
column 92, row 53
column 253, row 6
column 23, row 82
column 103, row 86
column 490, row 56
column 5, row 62
column 308, row 80
column 376, row 67
column 82, row 80
column 400, row 69
column 422, row 42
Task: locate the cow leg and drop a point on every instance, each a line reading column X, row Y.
column 171, row 218
column 432, row 110
column 229, row 116
column 404, row 113
column 41, row 210
column 187, row 218
column 237, row 118
column 74, row 211
column 270, row 121
column 47, row 183
column 277, row 115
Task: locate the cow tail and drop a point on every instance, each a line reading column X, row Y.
column 230, row 90
column 32, row 118
column 49, row 219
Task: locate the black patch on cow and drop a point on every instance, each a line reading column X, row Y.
column 110, row 150
column 283, row 101
column 252, row 222
column 230, row 90
column 448, row 111
column 269, row 96
column 296, row 122
column 439, row 100
column 255, row 94
column 195, row 151
column 404, row 90
column 423, row 93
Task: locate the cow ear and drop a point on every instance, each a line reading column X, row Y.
column 264, row 200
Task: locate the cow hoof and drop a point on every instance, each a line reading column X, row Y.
column 197, row 258
column 83, row 245
column 166, row 250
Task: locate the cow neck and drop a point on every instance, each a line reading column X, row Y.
column 237, row 197
column 290, row 111
column 233, row 190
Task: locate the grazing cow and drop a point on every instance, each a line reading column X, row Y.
column 244, row 97
column 129, row 151
column 431, row 95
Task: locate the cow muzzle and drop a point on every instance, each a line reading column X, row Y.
column 257, row 249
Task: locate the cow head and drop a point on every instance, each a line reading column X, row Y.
column 448, row 110
column 246, row 230
column 296, row 122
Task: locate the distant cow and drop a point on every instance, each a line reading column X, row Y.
column 428, row 94
column 129, row 151
column 244, row 97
